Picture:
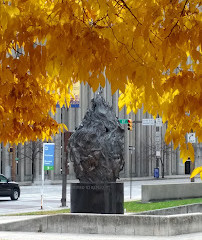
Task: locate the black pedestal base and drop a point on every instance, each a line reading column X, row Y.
column 97, row 198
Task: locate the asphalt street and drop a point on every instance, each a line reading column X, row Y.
column 30, row 199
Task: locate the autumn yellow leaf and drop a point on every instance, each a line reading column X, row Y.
column 149, row 50
column 196, row 171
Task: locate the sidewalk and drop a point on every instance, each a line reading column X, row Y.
column 65, row 236
column 167, row 177
column 187, row 176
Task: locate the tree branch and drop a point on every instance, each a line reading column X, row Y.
column 126, row 6
column 177, row 20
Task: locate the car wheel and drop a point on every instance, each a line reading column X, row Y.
column 15, row 194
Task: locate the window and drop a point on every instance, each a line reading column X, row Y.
column 3, row 179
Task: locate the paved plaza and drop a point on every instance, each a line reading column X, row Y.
column 30, row 199
column 65, row 236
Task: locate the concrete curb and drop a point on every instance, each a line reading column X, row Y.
column 142, row 225
column 183, row 209
column 168, row 191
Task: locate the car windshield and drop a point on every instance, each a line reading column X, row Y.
column 3, row 179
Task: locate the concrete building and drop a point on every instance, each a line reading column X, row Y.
column 139, row 162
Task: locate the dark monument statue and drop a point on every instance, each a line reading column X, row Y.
column 96, row 150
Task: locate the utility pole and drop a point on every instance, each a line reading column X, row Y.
column 66, row 137
column 64, row 165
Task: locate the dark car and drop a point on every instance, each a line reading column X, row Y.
column 9, row 188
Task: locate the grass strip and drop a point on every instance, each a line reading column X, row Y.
column 138, row 206
column 132, row 206
column 42, row 212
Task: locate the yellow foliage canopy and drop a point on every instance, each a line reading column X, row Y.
column 142, row 48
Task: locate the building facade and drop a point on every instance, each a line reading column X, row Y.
column 140, row 146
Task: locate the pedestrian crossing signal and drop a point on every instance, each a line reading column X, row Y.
column 130, row 124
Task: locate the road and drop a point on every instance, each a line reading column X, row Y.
column 30, row 199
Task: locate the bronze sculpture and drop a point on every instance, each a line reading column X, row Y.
column 96, row 147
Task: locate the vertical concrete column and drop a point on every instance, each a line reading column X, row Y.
column 197, row 162
column 104, row 93
column 149, row 151
column 137, row 146
column 180, row 164
column 84, row 99
column 78, row 117
column 71, row 127
column 146, row 149
column 169, row 160
column 21, row 162
column 115, row 103
column 60, row 118
column 170, row 163
column 144, row 146
column 173, row 165
column 28, row 162
column 1, row 157
column 71, row 120
column 91, row 96
column 6, row 166
column 177, row 160
column 37, row 160
column 108, row 93
column 142, row 140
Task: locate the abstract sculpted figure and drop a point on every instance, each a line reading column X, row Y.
column 96, row 147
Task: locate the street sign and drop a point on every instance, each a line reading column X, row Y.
column 131, row 148
column 148, row 122
column 123, row 121
column 191, row 138
column 158, row 122
column 158, row 153
column 158, row 146
column 49, row 155
column 158, row 137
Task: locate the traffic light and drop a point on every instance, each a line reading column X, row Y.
column 10, row 149
column 130, row 124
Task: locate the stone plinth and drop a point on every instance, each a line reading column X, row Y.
column 97, row 198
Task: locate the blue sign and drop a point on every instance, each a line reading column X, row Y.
column 58, row 105
column 49, row 155
column 74, row 104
